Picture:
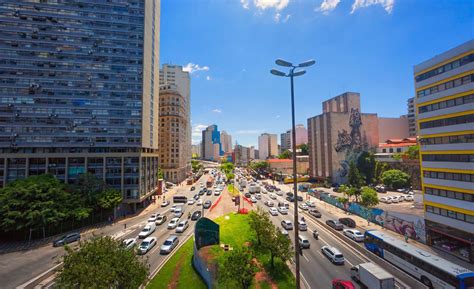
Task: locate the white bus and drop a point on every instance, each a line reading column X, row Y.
column 431, row 270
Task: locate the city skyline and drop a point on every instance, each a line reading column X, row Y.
column 225, row 84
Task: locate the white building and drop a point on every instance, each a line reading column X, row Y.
column 267, row 146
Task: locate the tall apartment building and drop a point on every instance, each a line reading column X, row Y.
column 241, row 155
column 226, row 141
column 211, row 147
column 79, row 92
column 412, row 126
column 285, row 141
column 444, row 88
column 173, row 139
column 338, row 135
column 267, row 146
column 175, row 75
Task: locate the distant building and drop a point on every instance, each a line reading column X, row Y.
column 211, row 147
column 387, row 149
column 412, row 127
column 252, row 153
column 339, row 135
column 393, row 128
column 267, row 146
column 242, row 155
column 196, row 150
column 285, row 141
column 444, row 88
column 226, row 141
column 284, row 167
column 301, row 137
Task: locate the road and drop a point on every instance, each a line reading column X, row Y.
column 316, row 270
column 18, row 268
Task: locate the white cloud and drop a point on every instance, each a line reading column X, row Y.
column 191, row 68
column 249, row 131
column 276, row 4
column 245, row 3
column 197, row 133
column 386, row 4
column 208, row 77
column 287, row 17
column 328, row 5
column 217, row 110
column 277, row 17
column 278, row 116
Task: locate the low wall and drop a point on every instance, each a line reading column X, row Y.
column 200, row 265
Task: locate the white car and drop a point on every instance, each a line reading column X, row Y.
column 287, row 224
column 387, row 200
column 182, row 226
column 191, row 202
column 273, row 196
column 409, row 198
column 304, row 207
column 147, row 230
column 129, row 243
column 283, row 210
column 355, row 235
column 395, row 199
column 253, row 199
column 146, row 245
column 310, row 204
column 273, row 211
column 199, row 202
column 169, row 245
column 173, row 208
column 258, row 196
column 217, row 193
column 165, row 203
column 173, row 223
column 279, row 193
column 153, row 218
column 269, row 203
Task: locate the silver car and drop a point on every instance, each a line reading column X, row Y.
column 169, row 245
column 146, row 245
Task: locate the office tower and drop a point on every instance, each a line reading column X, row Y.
column 412, row 127
column 226, row 141
column 267, row 146
column 211, row 144
column 285, row 141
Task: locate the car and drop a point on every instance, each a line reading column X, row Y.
column 66, row 239
column 303, row 242
column 196, row 215
column 129, row 244
column 386, row 200
column 284, row 232
column 300, row 198
column 287, row 224
column 289, row 194
column 146, row 245
column 396, row 199
column 302, row 225
column 310, row 204
column 304, row 207
column 315, row 234
column 165, row 204
column 273, row 211
column 182, row 226
column 449, row 246
column 196, row 197
column 153, row 218
column 193, row 188
column 169, row 244
column 283, row 210
column 207, row 204
column 409, row 198
column 199, row 202
column 355, row 235
column 253, row 199
column 173, row 208
column 285, row 204
column 248, row 195
column 342, row 284
column 348, row 222
column 191, row 202
column 380, row 189
column 178, row 212
column 335, row 224
column 315, row 213
column 147, row 230
column 208, row 193
column 272, row 196
column 160, row 220
column 217, row 192
column 333, row 254
column 204, row 190
column 290, row 199
column 173, row 223
column 258, row 196
column 279, row 193
column 269, row 203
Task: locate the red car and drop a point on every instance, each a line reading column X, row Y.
column 342, row 284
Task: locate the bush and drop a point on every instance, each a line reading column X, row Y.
column 395, row 179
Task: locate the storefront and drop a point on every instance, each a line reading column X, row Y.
column 455, row 242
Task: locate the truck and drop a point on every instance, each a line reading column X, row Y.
column 372, row 276
column 254, row 188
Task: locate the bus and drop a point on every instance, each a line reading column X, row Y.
column 180, row 199
column 431, row 270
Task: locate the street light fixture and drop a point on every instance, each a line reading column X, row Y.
column 291, row 75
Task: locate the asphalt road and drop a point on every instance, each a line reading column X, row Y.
column 18, row 268
column 316, row 270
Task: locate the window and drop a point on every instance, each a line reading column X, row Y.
column 448, row 121
column 444, row 68
column 446, row 85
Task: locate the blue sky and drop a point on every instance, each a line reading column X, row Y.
column 365, row 46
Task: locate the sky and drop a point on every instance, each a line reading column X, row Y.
column 365, row 46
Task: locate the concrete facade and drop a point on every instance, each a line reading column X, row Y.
column 339, row 135
column 286, row 138
column 393, row 128
column 412, row 127
column 211, row 147
column 285, row 166
column 267, row 146
column 226, row 141
column 285, row 141
column 444, row 87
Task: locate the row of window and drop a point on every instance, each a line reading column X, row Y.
column 390, row 150
column 448, row 121
column 467, row 158
column 449, row 176
column 446, row 85
column 445, row 68
column 451, row 214
column 454, row 139
column 447, row 103
column 449, row 194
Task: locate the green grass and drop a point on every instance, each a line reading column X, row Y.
column 187, row 275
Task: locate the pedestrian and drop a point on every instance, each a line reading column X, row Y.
column 382, row 224
column 125, row 226
column 406, row 237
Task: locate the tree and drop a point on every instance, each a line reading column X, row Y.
column 413, row 152
column 196, row 166
column 237, row 269
column 285, row 155
column 304, row 149
column 380, row 168
column 278, row 245
column 369, row 200
column 160, row 174
column 101, row 263
column 259, row 165
column 260, row 223
column 110, row 198
column 34, row 203
column 395, row 179
column 354, row 178
column 349, row 192
column 366, row 166
column 227, row 167
column 89, row 187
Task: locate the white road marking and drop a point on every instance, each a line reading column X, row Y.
column 306, row 257
column 304, row 279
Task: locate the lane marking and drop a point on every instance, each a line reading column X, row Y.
column 304, row 279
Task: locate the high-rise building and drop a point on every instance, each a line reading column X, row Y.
column 79, row 92
column 286, row 138
column 285, row 141
column 226, row 141
column 175, row 75
column 211, row 147
column 338, row 135
column 173, row 139
column 412, row 127
column 445, row 114
column 267, row 145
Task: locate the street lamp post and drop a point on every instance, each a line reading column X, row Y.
column 291, row 75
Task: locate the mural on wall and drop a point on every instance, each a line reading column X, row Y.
column 352, row 144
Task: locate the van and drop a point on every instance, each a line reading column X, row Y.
column 304, row 242
column 147, row 230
